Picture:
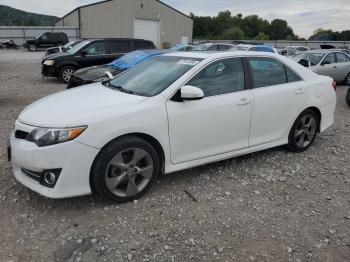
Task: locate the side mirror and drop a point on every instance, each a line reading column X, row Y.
column 83, row 53
column 189, row 93
column 326, row 63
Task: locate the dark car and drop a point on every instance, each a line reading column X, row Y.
column 62, row 49
column 90, row 53
column 99, row 73
column 49, row 39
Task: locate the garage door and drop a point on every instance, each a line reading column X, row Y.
column 147, row 29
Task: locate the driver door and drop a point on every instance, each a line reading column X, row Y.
column 94, row 54
column 220, row 122
column 328, row 66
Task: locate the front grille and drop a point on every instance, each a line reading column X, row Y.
column 19, row 134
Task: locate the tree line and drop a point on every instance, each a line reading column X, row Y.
column 226, row 26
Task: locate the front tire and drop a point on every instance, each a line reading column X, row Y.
column 66, row 73
column 125, row 169
column 304, row 131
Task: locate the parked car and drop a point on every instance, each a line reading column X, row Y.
column 289, row 53
column 99, row 73
column 295, row 49
column 62, row 49
column 90, row 53
column 183, row 48
column 256, row 48
column 212, row 47
column 49, row 39
column 8, row 44
column 327, row 62
column 115, row 137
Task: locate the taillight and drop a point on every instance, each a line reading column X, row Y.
column 334, row 84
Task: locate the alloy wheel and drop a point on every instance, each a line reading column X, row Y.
column 67, row 73
column 129, row 172
column 305, row 131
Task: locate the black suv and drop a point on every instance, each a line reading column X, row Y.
column 90, row 53
column 46, row 40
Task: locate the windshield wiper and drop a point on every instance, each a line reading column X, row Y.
column 120, row 88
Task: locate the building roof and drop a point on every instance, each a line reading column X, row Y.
column 113, row 0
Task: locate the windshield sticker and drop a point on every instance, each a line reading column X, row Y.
column 188, row 62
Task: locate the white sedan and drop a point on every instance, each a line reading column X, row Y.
column 170, row 113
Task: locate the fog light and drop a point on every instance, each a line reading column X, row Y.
column 49, row 177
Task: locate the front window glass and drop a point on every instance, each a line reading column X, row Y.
column 153, row 76
column 267, row 72
column 222, row 77
column 314, row 58
column 97, row 48
column 77, row 47
column 330, row 59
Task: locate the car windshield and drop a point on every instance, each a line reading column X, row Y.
column 201, row 47
column 71, row 44
column 76, row 48
column 153, row 76
column 314, row 58
column 238, row 48
column 133, row 58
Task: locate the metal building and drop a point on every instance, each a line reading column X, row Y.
column 144, row 19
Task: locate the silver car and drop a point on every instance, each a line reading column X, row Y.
column 331, row 63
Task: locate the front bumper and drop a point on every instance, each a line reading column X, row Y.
column 73, row 158
column 49, row 71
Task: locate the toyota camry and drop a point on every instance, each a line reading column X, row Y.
column 173, row 112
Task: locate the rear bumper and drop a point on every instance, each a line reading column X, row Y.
column 49, row 71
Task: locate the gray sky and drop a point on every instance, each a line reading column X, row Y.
column 303, row 15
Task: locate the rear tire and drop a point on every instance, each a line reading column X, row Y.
column 125, row 169
column 66, row 73
column 303, row 132
column 32, row 48
column 347, row 79
column 348, row 97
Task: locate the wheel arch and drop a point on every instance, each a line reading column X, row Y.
column 319, row 115
column 150, row 139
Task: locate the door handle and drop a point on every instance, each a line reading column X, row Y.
column 243, row 101
column 300, row 91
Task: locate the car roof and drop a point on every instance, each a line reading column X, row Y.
column 322, row 51
column 218, row 54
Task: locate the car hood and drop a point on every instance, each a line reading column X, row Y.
column 75, row 106
column 54, row 55
column 95, row 72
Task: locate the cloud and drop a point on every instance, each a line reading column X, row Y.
column 303, row 16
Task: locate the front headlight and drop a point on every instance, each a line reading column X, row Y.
column 49, row 62
column 51, row 136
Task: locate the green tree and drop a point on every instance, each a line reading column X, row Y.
column 262, row 36
column 233, row 33
column 279, row 29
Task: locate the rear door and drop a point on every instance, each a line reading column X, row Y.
column 117, row 48
column 278, row 96
column 343, row 66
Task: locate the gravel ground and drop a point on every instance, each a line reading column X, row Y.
column 267, row 206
